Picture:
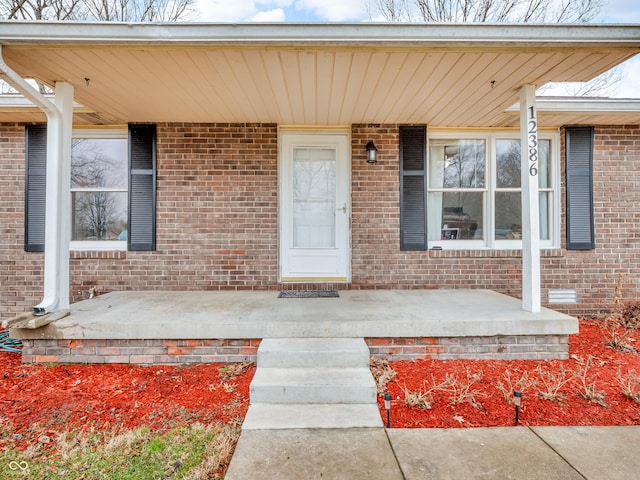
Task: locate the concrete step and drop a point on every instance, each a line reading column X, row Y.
column 313, row 385
column 273, row 416
column 313, row 352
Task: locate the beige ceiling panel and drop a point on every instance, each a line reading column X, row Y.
column 401, row 86
column 310, row 77
column 293, row 85
column 339, row 82
column 441, row 82
column 355, row 84
column 277, row 82
column 326, row 62
column 418, row 81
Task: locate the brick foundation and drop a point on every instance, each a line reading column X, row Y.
column 179, row 352
column 140, row 352
column 525, row 347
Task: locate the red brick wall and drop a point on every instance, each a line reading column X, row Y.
column 217, row 223
column 21, row 273
column 378, row 263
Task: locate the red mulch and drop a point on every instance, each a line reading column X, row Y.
column 40, row 400
column 493, row 409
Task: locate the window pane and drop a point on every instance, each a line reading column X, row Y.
column 509, row 215
column 455, row 215
column 544, row 172
column 99, row 163
column 99, row 215
column 508, row 164
column 456, row 164
column 314, row 198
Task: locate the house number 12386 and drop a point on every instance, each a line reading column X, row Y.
column 532, row 145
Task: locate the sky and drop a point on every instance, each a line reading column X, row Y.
column 614, row 11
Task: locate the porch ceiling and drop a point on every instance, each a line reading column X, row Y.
column 309, row 74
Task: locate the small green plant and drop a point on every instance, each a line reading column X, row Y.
column 630, row 385
column 512, row 384
column 233, row 370
column 586, row 390
column 551, row 384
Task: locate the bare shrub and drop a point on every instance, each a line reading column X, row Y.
column 233, row 370
column 630, row 385
column 461, row 390
column 631, row 314
column 586, row 390
column 551, row 384
column 424, row 398
column 512, row 384
column 615, row 326
column 382, row 373
column 419, row 399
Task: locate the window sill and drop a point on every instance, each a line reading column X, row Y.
column 492, row 253
column 98, row 254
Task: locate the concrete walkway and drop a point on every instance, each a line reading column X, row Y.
column 549, row 453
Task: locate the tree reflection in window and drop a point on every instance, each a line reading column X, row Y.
column 99, row 188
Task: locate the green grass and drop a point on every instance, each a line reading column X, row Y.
column 193, row 452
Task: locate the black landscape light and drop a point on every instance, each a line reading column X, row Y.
column 517, row 398
column 387, row 407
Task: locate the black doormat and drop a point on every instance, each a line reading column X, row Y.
column 308, row 294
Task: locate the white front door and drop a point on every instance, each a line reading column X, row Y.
column 314, row 206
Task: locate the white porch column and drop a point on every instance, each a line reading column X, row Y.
column 57, row 229
column 530, row 200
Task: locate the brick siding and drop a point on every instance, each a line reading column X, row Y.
column 521, row 347
column 181, row 352
column 140, row 352
column 217, row 224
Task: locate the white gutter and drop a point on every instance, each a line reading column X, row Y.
column 56, row 255
column 584, row 105
column 481, row 36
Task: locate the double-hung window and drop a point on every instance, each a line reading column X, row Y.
column 474, row 190
column 99, row 189
column 113, row 188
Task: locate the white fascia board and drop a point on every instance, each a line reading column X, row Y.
column 584, row 105
column 510, row 36
column 18, row 103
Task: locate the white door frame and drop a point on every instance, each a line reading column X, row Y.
column 314, row 264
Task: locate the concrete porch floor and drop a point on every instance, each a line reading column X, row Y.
column 261, row 314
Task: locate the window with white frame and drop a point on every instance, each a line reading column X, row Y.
column 99, row 189
column 474, row 190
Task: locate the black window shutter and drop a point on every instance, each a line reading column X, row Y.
column 35, row 188
column 142, row 187
column 413, row 192
column 579, row 166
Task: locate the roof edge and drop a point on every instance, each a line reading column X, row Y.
column 320, row 34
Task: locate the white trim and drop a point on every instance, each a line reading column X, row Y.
column 99, row 133
column 99, row 246
column 583, row 105
column 511, row 36
column 320, row 137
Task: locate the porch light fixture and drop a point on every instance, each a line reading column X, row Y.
column 517, row 398
column 372, row 152
column 387, row 407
